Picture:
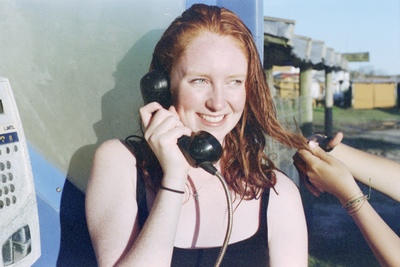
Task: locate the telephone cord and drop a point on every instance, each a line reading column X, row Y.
column 230, row 220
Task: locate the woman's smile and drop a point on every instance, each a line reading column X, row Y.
column 212, row 118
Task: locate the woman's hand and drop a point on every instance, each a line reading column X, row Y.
column 162, row 129
column 325, row 173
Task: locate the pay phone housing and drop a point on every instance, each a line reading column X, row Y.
column 19, row 224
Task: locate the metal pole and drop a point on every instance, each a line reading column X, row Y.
column 306, row 100
column 328, row 102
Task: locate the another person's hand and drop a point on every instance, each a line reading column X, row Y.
column 325, row 173
column 327, row 143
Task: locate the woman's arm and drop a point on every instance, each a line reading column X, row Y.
column 287, row 230
column 111, row 210
column 383, row 241
column 330, row 175
column 384, row 173
column 111, row 207
column 111, row 196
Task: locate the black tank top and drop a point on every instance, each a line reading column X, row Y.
column 252, row 251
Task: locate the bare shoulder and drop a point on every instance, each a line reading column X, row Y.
column 112, row 147
column 284, row 185
column 287, row 228
column 114, row 166
column 113, row 153
column 287, row 198
column 285, row 210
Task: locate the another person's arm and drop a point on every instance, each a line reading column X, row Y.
column 381, row 173
column 328, row 174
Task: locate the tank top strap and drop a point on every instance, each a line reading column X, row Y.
column 263, row 210
column 143, row 211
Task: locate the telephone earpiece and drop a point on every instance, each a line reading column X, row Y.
column 201, row 149
column 155, row 88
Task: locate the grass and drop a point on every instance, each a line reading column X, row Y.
column 314, row 262
column 356, row 117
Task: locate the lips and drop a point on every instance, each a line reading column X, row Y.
column 212, row 119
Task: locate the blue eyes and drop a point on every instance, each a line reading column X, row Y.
column 205, row 81
column 238, row 82
column 199, row 81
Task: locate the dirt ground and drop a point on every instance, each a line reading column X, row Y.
column 334, row 239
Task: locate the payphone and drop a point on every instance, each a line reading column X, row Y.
column 19, row 223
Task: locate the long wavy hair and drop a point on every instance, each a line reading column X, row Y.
column 244, row 164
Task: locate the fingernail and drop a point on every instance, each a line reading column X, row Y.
column 312, row 144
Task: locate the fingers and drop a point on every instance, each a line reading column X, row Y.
column 326, row 142
column 153, row 115
column 317, row 151
column 308, row 158
column 146, row 112
column 309, row 164
column 303, row 170
column 336, row 140
column 310, row 187
column 159, row 122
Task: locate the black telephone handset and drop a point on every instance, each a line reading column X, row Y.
column 201, row 149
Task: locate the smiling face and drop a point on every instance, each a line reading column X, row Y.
column 208, row 84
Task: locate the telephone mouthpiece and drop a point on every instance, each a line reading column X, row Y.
column 202, row 147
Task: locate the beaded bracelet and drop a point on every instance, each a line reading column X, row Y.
column 172, row 190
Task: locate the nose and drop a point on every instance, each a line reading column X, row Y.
column 217, row 99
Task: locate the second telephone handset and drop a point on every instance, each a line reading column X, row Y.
column 200, row 149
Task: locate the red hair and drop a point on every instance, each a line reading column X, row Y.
column 245, row 164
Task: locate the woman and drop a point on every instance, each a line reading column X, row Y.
column 334, row 172
column 180, row 218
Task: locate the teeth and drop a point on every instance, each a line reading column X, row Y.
column 212, row 119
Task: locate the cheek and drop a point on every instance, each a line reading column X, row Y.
column 240, row 101
column 186, row 103
column 185, row 100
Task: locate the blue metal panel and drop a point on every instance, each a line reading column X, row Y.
column 64, row 236
column 49, row 180
column 49, row 233
column 48, row 184
column 208, row 2
column 250, row 11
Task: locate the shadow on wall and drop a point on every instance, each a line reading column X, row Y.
column 119, row 108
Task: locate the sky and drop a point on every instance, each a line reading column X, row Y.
column 348, row 26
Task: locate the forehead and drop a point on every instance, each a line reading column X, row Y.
column 208, row 39
column 210, row 48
